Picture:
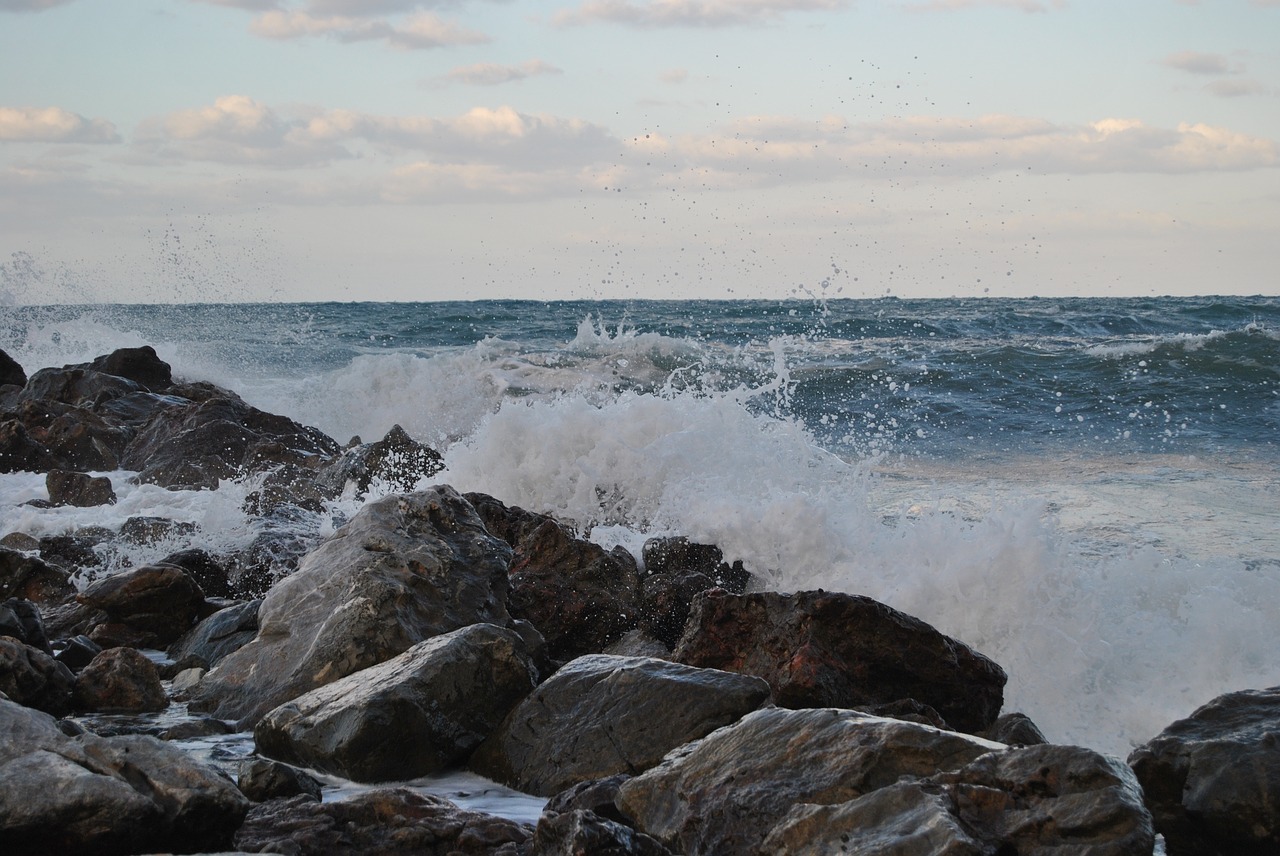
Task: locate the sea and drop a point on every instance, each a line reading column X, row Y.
column 1085, row 490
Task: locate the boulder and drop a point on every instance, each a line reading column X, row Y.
column 665, row 601
column 1212, row 780
column 22, row 453
column 415, row 714
column 11, row 373
column 120, row 680
column 397, row 461
column 20, row 619
column 403, row 569
column 140, row 365
column 601, row 715
column 77, row 652
column 262, row 779
column 581, row 597
column 1040, row 799
column 160, row 601
column 146, row 531
column 1015, row 729
column 576, row 833
column 827, row 649
column 32, row 579
column 79, row 489
column 31, row 677
column 678, row 557
column 389, row 822
column 92, row 795
column 75, row 386
column 723, row 794
column 208, row 572
column 597, row 796
column 222, row 633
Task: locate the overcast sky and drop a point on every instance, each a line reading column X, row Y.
column 173, row 150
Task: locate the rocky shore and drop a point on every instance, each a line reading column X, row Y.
column 662, row 706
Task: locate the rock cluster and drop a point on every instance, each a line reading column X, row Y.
column 663, row 706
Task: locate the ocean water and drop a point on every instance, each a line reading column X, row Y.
column 1085, row 490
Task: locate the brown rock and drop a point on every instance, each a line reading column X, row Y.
column 120, row 680
column 79, row 489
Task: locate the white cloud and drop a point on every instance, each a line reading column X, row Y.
column 1237, row 87
column 1197, row 62
column 53, row 125
column 492, row 74
column 689, row 13
column 956, row 5
column 674, row 75
column 420, row 31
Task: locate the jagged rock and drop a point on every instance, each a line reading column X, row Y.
column 32, row 579
column 389, row 822
column 272, row 555
column 723, row 794
column 79, row 489
column 1041, row 799
column 443, row 696
column 1212, row 780
column 146, row 531
column 581, row 597
column 91, row 795
column 11, row 372
column 22, row 453
column 78, row 652
column 140, row 365
column 262, row 779
column 1015, row 729
column 577, row 833
column 403, row 569
column 208, row 572
column 678, row 557
column 185, row 681
column 161, row 601
column 75, row 552
column 120, row 680
column 31, row 677
column 637, row 643
column 601, row 715
column 830, row 649
column 191, row 729
column 397, row 460
column 21, row 620
column 75, row 386
column 220, row 634
column 597, row 795
column 665, row 601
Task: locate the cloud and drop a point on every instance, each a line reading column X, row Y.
column 689, row 13
column 53, row 125
column 420, row 31
column 30, row 5
column 957, row 5
column 492, row 74
column 1196, row 62
column 674, row 75
column 1237, row 87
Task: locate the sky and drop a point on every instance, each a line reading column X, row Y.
column 241, row 150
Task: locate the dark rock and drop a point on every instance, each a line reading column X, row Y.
column 185, row 681
column 637, row 643
column 404, row 569
column 665, row 601
column 581, row 597
column 82, row 440
column 160, row 600
column 1041, row 799
column 448, row 692
column 145, row 531
column 120, row 680
column 821, row 649
column 678, row 556
column 134, row 410
column 262, row 779
column 1015, row 729
column 30, row 578
column 113, row 634
column 389, row 822
column 577, row 833
column 22, row 453
column 75, row 552
column 31, row 677
column 272, row 555
column 192, row 729
column 79, row 489
column 11, row 372
column 208, row 572
column 97, row 795
column 1212, row 780
column 598, row 795
column 723, row 794
column 397, row 460
column 285, row 486
column 601, row 715
column 140, row 365
column 169, row 671
column 78, row 652
column 20, row 619
column 76, row 386
column 20, row 541
column 222, row 633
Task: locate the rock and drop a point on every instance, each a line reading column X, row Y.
column 120, row 680
column 601, row 715
column 415, row 714
column 185, row 681
column 20, row 541
column 32, row 579
column 581, row 597
column 1041, row 799
column 830, row 649
column 723, row 794
column 32, row 678
column 1015, row 729
column 578, row 833
column 75, row 552
column 146, row 531
column 76, row 386
column 403, row 569
column 11, row 372
column 208, row 573
column 82, row 440
column 637, row 643
column 262, row 779
column 665, row 601
column 78, row 652
column 21, row 620
column 105, row 795
column 192, row 729
column 162, row 601
column 678, row 556
column 598, row 796
column 22, row 453
column 397, row 461
column 222, row 633
column 1212, row 780
column 389, row 822
column 140, row 365
column 272, row 555
column 79, row 489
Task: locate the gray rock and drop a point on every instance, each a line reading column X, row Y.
column 404, row 569
column 31, row 677
column 577, row 833
column 1212, row 780
column 222, row 633
column 21, row 620
column 120, row 680
column 723, row 794
column 1015, row 729
column 262, row 779
column 397, row 460
column 415, row 714
column 600, row 715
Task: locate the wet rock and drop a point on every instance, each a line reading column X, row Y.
column 169, row 671
column 161, row 601
column 11, row 372
column 20, row 541
column 638, row 643
column 208, row 572
column 289, row 485
column 262, row 779
column 79, row 489
column 185, row 681
column 397, row 461
column 20, row 619
column 678, row 556
column 404, row 569
column 582, row 832
column 1042, row 799
column 97, row 795
column 32, row 678
column 76, row 386
column 390, row 822
column 821, row 649
column 723, row 794
column 120, row 680
column 1212, row 780
column 145, row 531
column 32, row 579
column 140, row 365
column 82, row 440
column 22, row 453
column 581, row 597
column 222, row 633
column 77, row 552
column 78, row 652
column 191, row 729
column 601, row 715
column 272, row 555
column 665, row 601
column 443, row 695
column 598, row 796
column 1015, row 729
